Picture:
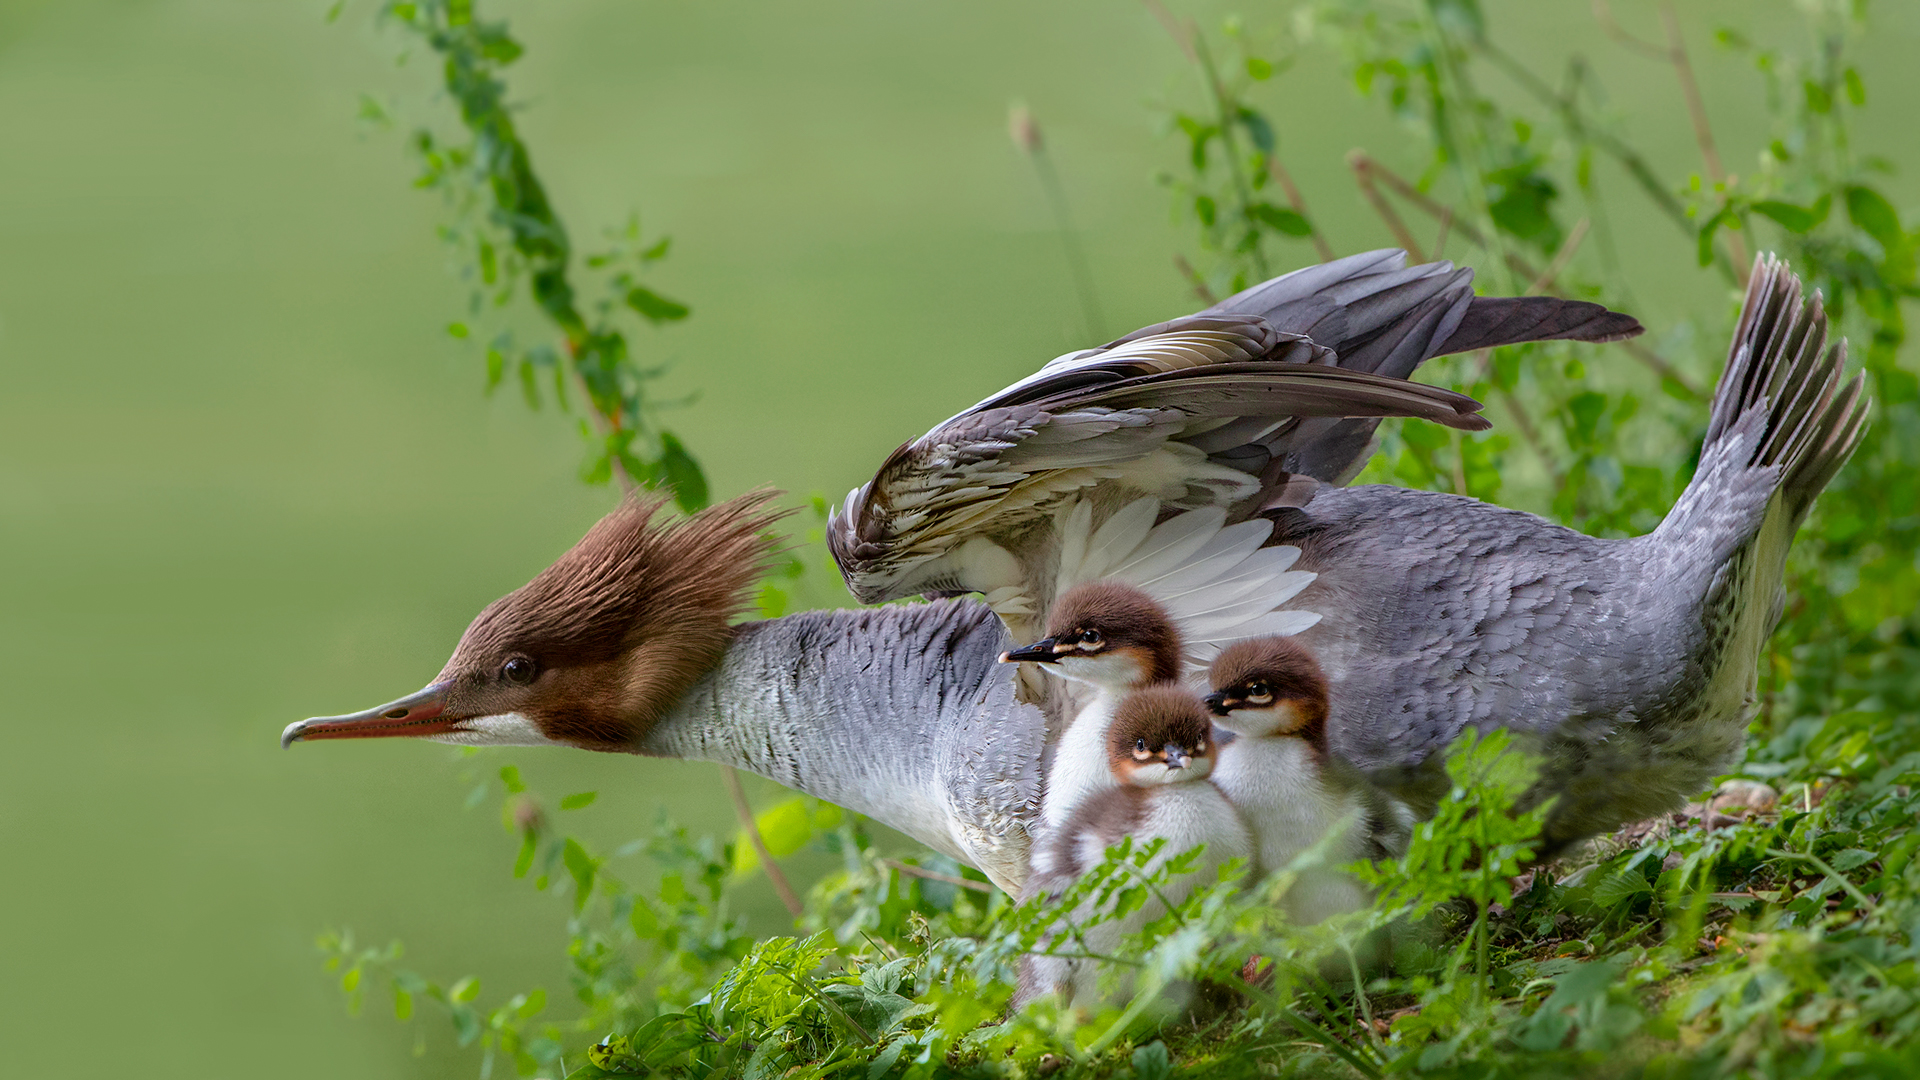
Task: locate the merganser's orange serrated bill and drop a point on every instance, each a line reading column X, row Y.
column 418, row 714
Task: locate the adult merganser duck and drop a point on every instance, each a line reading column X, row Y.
column 1291, row 789
column 1159, row 751
column 1636, row 657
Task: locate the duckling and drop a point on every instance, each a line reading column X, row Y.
column 1159, row 753
column 1278, row 772
column 1115, row 639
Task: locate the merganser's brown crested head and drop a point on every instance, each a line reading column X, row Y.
column 1108, row 634
column 597, row 647
column 1269, row 686
column 1160, row 735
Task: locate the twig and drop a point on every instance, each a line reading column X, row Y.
column 1520, row 265
column 1194, row 279
column 935, row 875
column 1446, row 222
column 1363, row 172
column 1223, row 109
column 731, row 779
column 1285, row 180
column 1459, row 464
column 1544, row 283
column 1665, row 370
column 1674, row 53
column 1070, row 239
column 1524, row 421
column 1174, row 30
column 1603, row 14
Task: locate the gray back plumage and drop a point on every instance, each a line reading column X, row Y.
column 1630, row 663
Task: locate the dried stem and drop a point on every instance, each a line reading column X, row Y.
column 1285, row 179
column 1174, row 30
column 1446, row 223
column 1603, row 14
column 731, row 779
column 1363, row 172
column 1194, row 279
column 1544, row 283
column 1360, row 162
column 935, row 875
column 1702, row 130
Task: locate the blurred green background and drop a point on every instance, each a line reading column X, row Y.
column 246, row 477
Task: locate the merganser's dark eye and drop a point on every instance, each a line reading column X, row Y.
column 1139, row 748
column 519, row 670
column 1091, row 637
column 1260, row 690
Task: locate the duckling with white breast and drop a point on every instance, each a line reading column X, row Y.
column 1115, row 639
column 1159, row 753
column 1277, row 771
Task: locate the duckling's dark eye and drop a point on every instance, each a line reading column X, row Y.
column 519, row 670
column 1091, row 637
column 1259, row 689
column 1139, row 746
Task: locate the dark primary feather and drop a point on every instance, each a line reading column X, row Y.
column 1286, row 380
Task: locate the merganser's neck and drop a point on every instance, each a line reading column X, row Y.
column 899, row 713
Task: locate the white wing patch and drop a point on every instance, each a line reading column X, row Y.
column 1215, row 580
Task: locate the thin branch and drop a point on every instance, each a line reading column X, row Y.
column 1363, row 173
column 1070, row 239
column 1174, row 30
column 1446, row 223
column 935, row 875
column 1665, row 370
column 731, row 779
column 1399, row 186
column 1702, row 130
column 1603, row 14
column 1224, row 107
column 1285, row 180
column 1194, row 279
column 1544, row 283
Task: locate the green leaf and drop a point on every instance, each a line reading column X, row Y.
column 1204, row 208
column 1875, row 216
column 1259, row 70
column 1818, row 100
column 1280, row 219
column 1258, row 129
column 683, row 473
column 583, row 868
column 1797, row 219
column 529, row 843
column 579, row 800
column 510, row 776
column 1619, row 886
column 655, row 308
column 1151, row 1062
column 1852, row 859
column 1856, row 90
column 1705, row 239
column 465, row 990
column 402, row 1003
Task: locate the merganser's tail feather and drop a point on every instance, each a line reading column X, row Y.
column 1780, row 363
column 1782, row 421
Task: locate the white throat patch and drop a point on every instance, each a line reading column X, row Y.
column 500, row 729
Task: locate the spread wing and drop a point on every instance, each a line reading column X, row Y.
column 1228, row 410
